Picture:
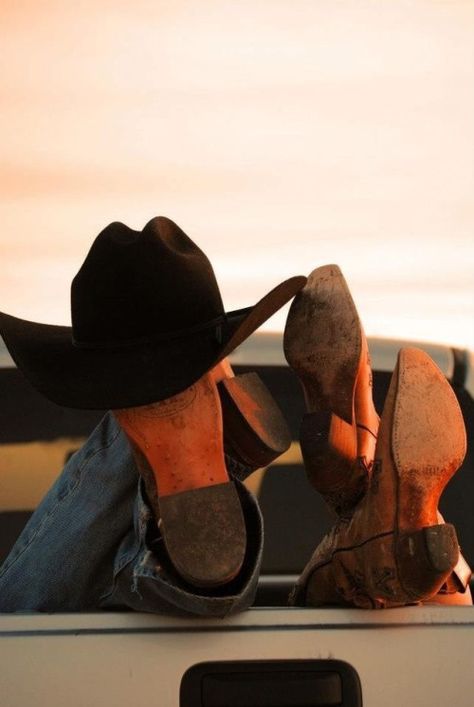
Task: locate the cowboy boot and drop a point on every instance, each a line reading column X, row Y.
column 338, row 458
column 255, row 431
column 393, row 550
column 325, row 344
column 178, row 446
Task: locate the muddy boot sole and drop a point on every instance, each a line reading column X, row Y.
column 322, row 342
column 204, row 534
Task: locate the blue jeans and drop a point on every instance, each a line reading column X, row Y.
column 93, row 544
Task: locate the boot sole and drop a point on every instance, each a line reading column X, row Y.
column 322, row 342
column 204, row 534
column 428, row 446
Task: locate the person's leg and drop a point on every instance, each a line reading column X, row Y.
column 202, row 514
column 94, row 541
column 64, row 558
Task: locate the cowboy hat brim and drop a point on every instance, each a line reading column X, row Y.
column 131, row 375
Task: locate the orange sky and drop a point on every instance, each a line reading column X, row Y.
column 280, row 136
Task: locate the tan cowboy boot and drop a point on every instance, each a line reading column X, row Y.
column 325, row 344
column 393, row 550
column 255, row 433
column 178, row 445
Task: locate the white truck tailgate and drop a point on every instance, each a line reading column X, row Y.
column 413, row 656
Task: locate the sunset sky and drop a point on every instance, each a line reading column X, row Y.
column 279, row 135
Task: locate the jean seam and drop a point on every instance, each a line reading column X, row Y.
column 51, row 513
column 126, row 560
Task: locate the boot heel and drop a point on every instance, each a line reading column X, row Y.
column 216, row 513
column 425, row 559
column 325, row 469
column 341, row 481
column 255, row 431
column 314, row 443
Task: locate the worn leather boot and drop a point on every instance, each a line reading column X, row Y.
column 394, row 550
column 323, row 339
column 178, row 446
column 325, row 344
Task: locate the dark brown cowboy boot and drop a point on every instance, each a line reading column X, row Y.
column 178, row 445
column 325, row 344
column 394, row 550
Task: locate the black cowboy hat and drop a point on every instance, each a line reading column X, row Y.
column 147, row 322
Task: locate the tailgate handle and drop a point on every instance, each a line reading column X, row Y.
column 279, row 683
column 283, row 689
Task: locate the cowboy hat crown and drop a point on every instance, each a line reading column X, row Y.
column 135, row 287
